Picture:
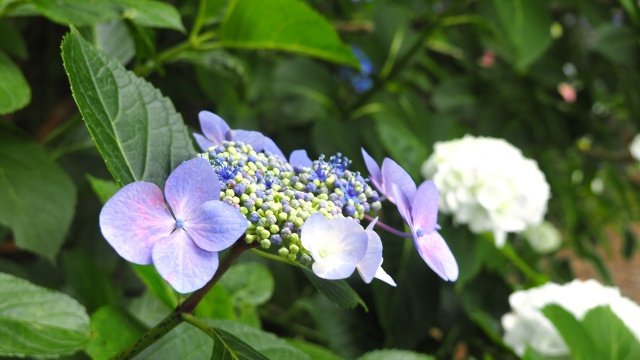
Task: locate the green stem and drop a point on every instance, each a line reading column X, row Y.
column 196, row 322
column 172, row 54
column 197, row 25
column 509, row 253
column 187, row 307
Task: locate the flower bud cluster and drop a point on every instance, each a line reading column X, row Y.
column 277, row 198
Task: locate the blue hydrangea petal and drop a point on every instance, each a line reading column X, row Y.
column 424, row 208
column 183, row 263
column 392, row 173
column 203, row 142
column 134, row 219
column 403, row 204
column 253, row 138
column 189, row 185
column 300, row 158
column 368, row 266
column 214, row 128
column 215, row 225
column 374, row 171
column 435, row 252
column 270, row 146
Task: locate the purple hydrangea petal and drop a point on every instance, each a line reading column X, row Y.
column 424, row 209
column 436, row 254
column 134, row 219
column 215, row 226
column 392, row 173
column 213, row 127
column 374, row 171
column 203, row 142
column 189, row 185
column 300, row 158
column 253, row 138
column 182, row 263
column 270, row 146
column 403, row 204
column 370, row 263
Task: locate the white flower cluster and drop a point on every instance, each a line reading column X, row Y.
column 488, row 184
column 526, row 325
column 634, row 147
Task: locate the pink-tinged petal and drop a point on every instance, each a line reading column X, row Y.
column 189, row 185
column 203, row 142
column 403, row 204
column 182, row 263
column 215, row 226
column 370, row 263
column 270, row 146
column 436, row 254
column 300, row 158
column 424, row 209
column 394, row 174
column 374, row 171
column 383, row 276
column 253, row 138
column 213, row 127
column 134, row 219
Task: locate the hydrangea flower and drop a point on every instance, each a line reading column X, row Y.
column 340, row 246
column 181, row 235
column 634, row 147
column 419, row 208
column 526, row 325
column 215, row 130
column 488, row 184
column 360, row 80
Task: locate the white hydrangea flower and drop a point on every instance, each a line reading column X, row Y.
column 526, row 325
column 543, row 238
column 634, row 147
column 488, row 184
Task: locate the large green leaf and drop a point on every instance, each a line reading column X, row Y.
column 394, row 355
column 11, row 41
column 37, row 198
column 156, row 284
column 527, row 25
column 111, row 330
column 229, row 347
column 610, row 335
column 104, row 189
column 14, row 90
column 114, row 39
column 288, row 25
column 88, row 12
column 91, row 285
column 573, row 333
column 137, row 130
column 315, row 352
column 217, row 304
column 38, row 322
column 250, row 282
column 338, row 291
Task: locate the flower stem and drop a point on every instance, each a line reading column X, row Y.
column 187, row 307
column 509, row 253
column 389, row 228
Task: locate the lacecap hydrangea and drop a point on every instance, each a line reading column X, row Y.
column 526, row 326
column 488, row 184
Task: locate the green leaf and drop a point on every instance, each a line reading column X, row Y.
column 574, row 334
column 38, row 322
column 88, row 12
column 37, row 197
column 288, row 25
column 338, row 291
column 527, row 25
column 91, row 284
column 114, row 39
column 156, row 284
column 618, row 44
column 137, row 130
column 111, row 330
column 217, row 304
column 11, row 41
column 394, row 355
column 315, row 352
column 401, row 142
column 610, row 335
column 105, row 189
column 148, row 309
column 249, row 282
column 227, row 347
column 265, row 343
column 531, row 354
column 14, row 90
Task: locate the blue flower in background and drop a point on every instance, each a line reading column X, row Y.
column 360, row 80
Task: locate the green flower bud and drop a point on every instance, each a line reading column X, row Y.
column 294, row 249
column 274, row 229
column 283, row 252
